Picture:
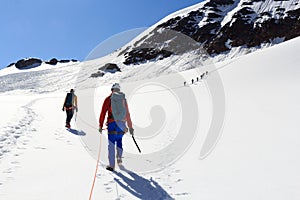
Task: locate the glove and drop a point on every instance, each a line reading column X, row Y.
column 131, row 130
column 63, row 109
column 100, row 130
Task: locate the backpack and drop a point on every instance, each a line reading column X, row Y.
column 69, row 100
column 118, row 106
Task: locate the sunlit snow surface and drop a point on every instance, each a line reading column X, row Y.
column 232, row 135
column 256, row 157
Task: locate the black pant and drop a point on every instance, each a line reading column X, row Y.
column 69, row 115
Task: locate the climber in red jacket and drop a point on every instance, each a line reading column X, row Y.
column 116, row 107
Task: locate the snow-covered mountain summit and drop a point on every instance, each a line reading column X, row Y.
column 219, row 26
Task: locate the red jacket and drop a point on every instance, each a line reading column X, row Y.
column 106, row 107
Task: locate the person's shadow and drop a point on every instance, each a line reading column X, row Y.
column 140, row 187
column 75, row 132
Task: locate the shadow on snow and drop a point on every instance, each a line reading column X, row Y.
column 140, row 187
column 75, row 132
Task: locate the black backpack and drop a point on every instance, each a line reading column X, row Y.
column 69, row 100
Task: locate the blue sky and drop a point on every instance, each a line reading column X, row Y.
column 68, row 29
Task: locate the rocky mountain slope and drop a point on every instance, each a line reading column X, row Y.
column 218, row 26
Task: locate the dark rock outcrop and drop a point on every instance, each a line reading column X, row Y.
column 28, row 63
column 64, row 61
column 35, row 62
column 97, row 74
column 245, row 32
column 145, row 54
column 110, row 67
column 107, row 68
column 53, row 61
column 10, row 65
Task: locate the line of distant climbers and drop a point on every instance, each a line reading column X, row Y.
column 202, row 76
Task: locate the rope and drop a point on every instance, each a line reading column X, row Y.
column 86, row 123
column 99, row 151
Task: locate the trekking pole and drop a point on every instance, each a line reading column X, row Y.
column 136, row 144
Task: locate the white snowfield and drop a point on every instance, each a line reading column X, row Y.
column 257, row 155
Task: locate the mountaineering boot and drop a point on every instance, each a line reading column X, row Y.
column 68, row 125
column 109, row 168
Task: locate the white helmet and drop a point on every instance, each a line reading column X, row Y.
column 116, row 86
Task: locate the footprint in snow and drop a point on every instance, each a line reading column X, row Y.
column 8, row 171
column 40, row 148
column 99, row 175
column 59, row 135
column 16, row 136
column 5, row 151
column 21, row 148
column 15, row 162
column 108, row 189
column 13, row 133
column 182, row 194
column 110, row 182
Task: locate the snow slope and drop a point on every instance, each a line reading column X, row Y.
column 257, row 154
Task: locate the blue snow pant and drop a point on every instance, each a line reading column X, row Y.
column 115, row 135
